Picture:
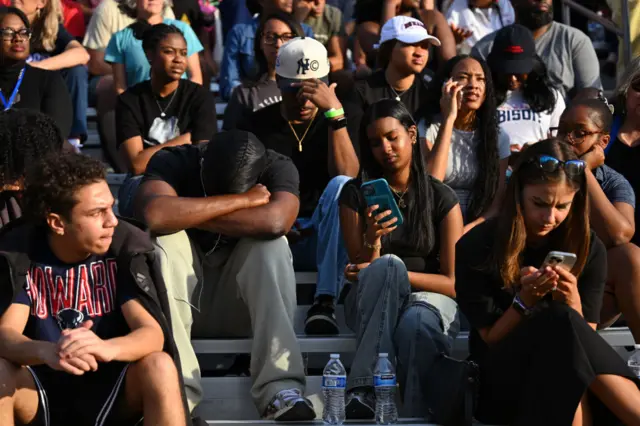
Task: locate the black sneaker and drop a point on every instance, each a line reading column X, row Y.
column 289, row 406
column 321, row 320
column 360, row 405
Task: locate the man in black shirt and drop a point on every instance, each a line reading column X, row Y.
column 220, row 212
column 309, row 126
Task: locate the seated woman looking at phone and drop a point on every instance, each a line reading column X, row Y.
column 533, row 321
column 402, row 298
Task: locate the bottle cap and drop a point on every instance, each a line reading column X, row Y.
column 383, row 355
column 334, row 356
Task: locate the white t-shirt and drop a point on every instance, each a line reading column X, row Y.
column 480, row 21
column 524, row 125
column 462, row 165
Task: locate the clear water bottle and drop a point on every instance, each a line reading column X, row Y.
column 634, row 361
column 384, row 382
column 597, row 34
column 334, row 382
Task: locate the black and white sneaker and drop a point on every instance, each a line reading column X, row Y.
column 289, row 406
column 321, row 320
column 360, row 405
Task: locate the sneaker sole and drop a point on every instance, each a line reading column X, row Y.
column 356, row 410
column 320, row 325
column 300, row 411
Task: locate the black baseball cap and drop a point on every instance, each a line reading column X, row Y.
column 513, row 50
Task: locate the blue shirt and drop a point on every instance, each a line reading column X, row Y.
column 615, row 186
column 125, row 49
column 238, row 60
column 61, row 294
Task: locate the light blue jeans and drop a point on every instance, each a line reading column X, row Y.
column 324, row 249
column 413, row 328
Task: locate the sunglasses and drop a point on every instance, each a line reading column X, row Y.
column 574, row 137
column 549, row 164
column 272, row 39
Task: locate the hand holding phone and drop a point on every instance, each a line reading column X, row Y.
column 560, row 258
column 379, row 224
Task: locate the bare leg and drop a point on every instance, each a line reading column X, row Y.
column 624, row 279
column 152, row 387
column 583, row 415
column 620, row 395
column 18, row 395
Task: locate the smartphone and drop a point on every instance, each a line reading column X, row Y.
column 560, row 258
column 378, row 192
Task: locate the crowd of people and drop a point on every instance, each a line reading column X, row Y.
column 486, row 120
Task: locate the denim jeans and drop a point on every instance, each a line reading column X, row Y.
column 77, row 80
column 127, row 193
column 324, row 249
column 413, row 328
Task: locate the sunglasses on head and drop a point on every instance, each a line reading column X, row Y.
column 549, row 164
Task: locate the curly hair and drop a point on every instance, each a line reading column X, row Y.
column 51, row 184
column 25, row 136
column 154, row 34
column 486, row 184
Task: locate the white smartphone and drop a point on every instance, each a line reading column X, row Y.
column 560, row 258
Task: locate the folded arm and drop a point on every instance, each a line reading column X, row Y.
column 74, row 54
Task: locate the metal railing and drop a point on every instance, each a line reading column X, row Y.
column 624, row 33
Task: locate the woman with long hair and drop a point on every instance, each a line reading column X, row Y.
column 23, row 86
column 528, row 104
column 273, row 31
column 533, row 311
column 127, row 56
column 164, row 111
column 466, row 149
column 622, row 153
column 54, row 49
column 402, row 297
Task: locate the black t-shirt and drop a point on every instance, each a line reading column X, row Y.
column 38, row 51
column 398, row 242
column 41, row 90
column 480, row 293
column 189, row 11
column 191, row 108
column 180, row 167
column 375, row 88
column 625, row 160
column 91, row 289
column 312, row 162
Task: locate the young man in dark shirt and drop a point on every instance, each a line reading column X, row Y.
column 309, row 126
column 82, row 330
column 220, row 212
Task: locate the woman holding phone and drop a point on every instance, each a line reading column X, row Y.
column 402, row 297
column 533, row 326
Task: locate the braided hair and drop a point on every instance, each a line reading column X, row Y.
column 25, row 136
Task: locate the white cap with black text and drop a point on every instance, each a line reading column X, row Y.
column 405, row 29
column 302, row 58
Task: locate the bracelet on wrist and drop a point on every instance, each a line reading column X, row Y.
column 520, row 306
column 368, row 245
column 333, row 113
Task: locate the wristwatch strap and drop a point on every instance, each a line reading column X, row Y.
column 520, row 307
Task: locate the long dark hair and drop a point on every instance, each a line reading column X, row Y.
column 286, row 18
column 486, row 184
column 573, row 235
column 420, row 212
column 537, row 89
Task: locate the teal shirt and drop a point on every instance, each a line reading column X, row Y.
column 125, row 49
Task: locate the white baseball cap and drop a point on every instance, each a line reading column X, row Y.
column 405, row 29
column 302, row 58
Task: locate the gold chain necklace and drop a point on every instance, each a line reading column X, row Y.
column 305, row 132
column 400, row 196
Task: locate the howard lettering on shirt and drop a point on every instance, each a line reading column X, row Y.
column 89, row 288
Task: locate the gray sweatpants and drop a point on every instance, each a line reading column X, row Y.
column 247, row 290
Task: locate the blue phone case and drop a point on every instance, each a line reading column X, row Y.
column 378, row 192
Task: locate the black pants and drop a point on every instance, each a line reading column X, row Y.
column 538, row 373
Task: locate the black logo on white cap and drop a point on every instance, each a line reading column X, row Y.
column 303, row 66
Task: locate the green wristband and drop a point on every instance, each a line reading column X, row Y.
column 333, row 113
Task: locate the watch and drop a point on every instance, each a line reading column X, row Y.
column 338, row 123
column 520, row 307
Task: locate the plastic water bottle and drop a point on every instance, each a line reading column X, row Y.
column 334, row 382
column 384, row 382
column 634, row 361
column 597, row 33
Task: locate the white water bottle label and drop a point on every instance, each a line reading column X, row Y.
column 384, row 380
column 334, row 382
